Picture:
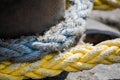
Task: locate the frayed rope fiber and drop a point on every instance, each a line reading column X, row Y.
column 58, row 38
column 80, row 57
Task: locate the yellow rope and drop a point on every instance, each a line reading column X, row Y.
column 106, row 4
column 68, row 4
column 78, row 58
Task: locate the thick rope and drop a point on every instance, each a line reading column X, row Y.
column 106, row 4
column 79, row 58
column 58, row 38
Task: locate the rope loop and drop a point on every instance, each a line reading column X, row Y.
column 58, row 38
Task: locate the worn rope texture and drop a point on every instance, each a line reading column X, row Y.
column 106, row 4
column 81, row 57
column 58, row 38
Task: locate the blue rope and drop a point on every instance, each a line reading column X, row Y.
column 58, row 38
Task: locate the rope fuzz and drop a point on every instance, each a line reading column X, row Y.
column 58, row 38
column 79, row 58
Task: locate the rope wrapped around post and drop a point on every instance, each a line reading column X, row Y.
column 80, row 57
column 40, row 50
column 58, row 38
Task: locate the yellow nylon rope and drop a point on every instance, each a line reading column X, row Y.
column 106, row 4
column 79, row 58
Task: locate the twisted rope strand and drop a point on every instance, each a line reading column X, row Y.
column 80, row 57
column 58, row 38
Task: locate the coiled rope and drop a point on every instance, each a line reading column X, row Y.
column 58, row 38
column 79, row 58
column 106, row 4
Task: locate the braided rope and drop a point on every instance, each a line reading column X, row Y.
column 79, row 58
column 106, row 4
column 58, row 38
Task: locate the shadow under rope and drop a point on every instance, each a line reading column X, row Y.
column 61, row 76
column 95, row 36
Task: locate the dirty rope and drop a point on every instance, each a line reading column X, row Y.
column 58, row 38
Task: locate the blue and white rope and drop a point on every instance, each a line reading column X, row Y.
column 58, row 38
